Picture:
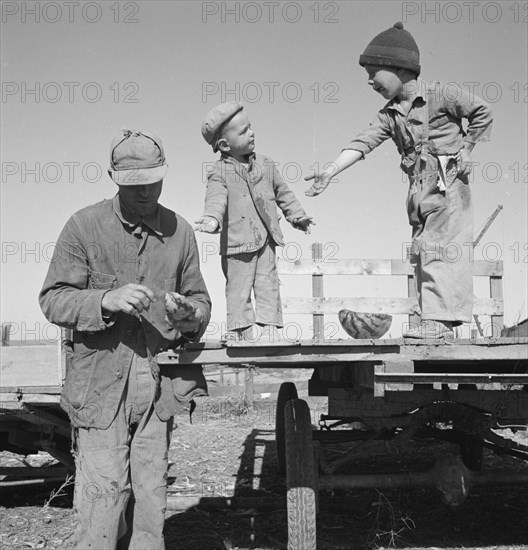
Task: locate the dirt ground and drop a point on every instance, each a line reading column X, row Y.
column 230, row 451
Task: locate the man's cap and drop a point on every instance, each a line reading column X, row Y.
column 394, row 47
column 137, row 158
column 216, row 118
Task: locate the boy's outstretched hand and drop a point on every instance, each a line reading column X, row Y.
column 321, row 182
column 206, row 224
column 303, row 223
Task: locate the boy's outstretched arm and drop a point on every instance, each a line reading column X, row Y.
column 347, row 158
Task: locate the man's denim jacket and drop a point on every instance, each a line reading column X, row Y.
column 100, row 250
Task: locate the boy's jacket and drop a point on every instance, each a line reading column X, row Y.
column 244, row 202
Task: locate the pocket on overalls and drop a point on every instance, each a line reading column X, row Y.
column 411, row 202
column 431, row 197
column 451, row 171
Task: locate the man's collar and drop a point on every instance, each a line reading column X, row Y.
column 127, row 217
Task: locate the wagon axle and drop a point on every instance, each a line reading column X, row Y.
column 449, row 475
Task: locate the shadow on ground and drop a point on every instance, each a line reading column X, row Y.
column 360, row 519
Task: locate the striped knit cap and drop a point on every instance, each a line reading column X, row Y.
column 394, row 47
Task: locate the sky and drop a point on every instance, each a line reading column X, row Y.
column 75, row 73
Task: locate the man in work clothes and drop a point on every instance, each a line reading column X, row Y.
column 113, row 264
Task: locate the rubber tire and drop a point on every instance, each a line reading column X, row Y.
column 300, row 476
column 472, row 453
column 287, row 391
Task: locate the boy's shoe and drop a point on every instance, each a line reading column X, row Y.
column 231, row 336
column 270, row 335
column 431, row 330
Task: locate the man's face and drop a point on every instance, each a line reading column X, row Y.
column 239, row 135
column 384, row 80
column 141, row 199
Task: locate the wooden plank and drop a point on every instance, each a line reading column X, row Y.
column 394, row 306
column 30, row 365
column 481, row 268
column 339, row 267
column 317, row 292
column 12, row 401
column 330, row 306
column 408, row 378
column 497, row 319
column 297, row 356
column 381, row 385
column 22, row 390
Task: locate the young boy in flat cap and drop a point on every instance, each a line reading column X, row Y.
column 113, row 263
column 424, row 119
column 243, row 192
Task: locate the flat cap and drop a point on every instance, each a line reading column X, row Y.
column 216, row 118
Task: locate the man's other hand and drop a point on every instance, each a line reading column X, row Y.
column 130, row 298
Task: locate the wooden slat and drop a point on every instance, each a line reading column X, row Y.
column 481, row 268
column 301, row 356
column 449, row 378
column 317, row 292
column 11, row 401
column 393, row 306
column 497, row 319
column 330, row 306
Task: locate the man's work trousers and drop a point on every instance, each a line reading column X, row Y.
column 442, row 246
column 257, row 272
column 121, row 472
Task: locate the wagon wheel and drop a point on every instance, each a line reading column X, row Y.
column 300, row 476
column 472, row 452
column 287, row 391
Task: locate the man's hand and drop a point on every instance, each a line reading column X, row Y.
column 303, row 223
column 178, row 307
column 130, row 299
column 191, row 324
column 182, row 314
column 321, row 182
column 465, row 162
column 206, row 224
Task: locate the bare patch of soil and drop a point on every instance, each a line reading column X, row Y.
column 229, row 450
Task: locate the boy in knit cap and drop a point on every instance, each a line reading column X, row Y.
column 424, row 119
column 243, row 192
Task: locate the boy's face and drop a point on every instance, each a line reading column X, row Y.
column 238, row 137
column 384, row 80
